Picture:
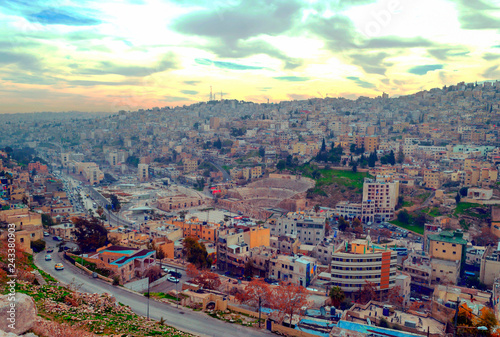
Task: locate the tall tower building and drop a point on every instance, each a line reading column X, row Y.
column 143, row 172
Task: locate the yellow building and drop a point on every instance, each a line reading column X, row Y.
column 447, row 252
column 371, row 143
column 190, row 165
column 432, row 178
column 299, row 148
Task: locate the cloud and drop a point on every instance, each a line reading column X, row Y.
column 444, row 54
column 424, row 69
column 189, row 92
column 232, row 29
column 476, row 4
column 168, row 62
column 226, row 65
column 61, row 17
column 242, row 49
column 240, row 22
column 191, row 82
column 361, row 83
column 22, row 60
column 89, row 83
column 492, row 72
column 175, row 99
column 292, row 78
column 395, row 42
column 476, row 20
column 491, row 56
column 338, row 32
column 372, row 63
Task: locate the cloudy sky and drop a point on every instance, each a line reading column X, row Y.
column 111, row 55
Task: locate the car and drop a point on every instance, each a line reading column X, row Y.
column 175, row 274
column 46, row 234
column 173, row 279
column 57, row 238
column 59, row 266
column 48, row 258
column 50, row 250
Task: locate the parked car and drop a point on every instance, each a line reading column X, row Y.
column 175, row 274
column 46, row 234
column 48, row 258
column 59, row 266
column 50, row 250
column 173, row 279
column 57, row 238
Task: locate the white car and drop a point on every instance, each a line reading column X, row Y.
column 173, row 279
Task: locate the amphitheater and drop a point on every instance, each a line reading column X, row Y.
column 277, row 191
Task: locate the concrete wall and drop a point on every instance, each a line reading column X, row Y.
column 107, row 279
column 142, row 285
column 289, row 331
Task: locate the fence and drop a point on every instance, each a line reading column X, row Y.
column 289, row 331
column 246, row 312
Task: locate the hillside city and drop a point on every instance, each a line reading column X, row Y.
column 317, row 217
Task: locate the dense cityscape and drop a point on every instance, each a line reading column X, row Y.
column 237, row 168
column 320, row 216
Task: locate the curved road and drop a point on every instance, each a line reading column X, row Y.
column 186, row 320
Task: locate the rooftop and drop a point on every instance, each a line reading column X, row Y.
column 450, row 237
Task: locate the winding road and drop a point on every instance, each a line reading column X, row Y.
column 183, row 319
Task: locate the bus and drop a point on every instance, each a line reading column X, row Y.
column 402, row 251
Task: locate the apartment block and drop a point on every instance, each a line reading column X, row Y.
column 309, row 230
column 298, row 270
column 143, row 172
column 360, row 262
column 432, row 178
column 379, row 200
column 190, row 165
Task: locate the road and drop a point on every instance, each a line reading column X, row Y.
column 113, row 218
column 225, row 174
column 183, row 319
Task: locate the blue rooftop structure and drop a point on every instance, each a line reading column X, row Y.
column 374, row 330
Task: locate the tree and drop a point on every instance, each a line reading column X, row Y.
column 262, row 151
column 368, row 292
column 487, row 319
column 401, row 156
column 115, row 203
column 38, row 245
column 394, row 296
column 337, row 296
column 207, row 280
column 355, row 167
column 323, row 146
column 485, row 237
column 457, row 198
column 248, row 271
column 160, row 254
column 316, row 208
column 342, row 224
column 420, row 220
column 153, row 273
column 464, row 191
column 196, row 253
column 356, row 223
column 288, row 299
column 404, row 217
column 47, row 220
column 254, row 290
column 89, row 235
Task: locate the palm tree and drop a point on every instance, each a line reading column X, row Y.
column 337, row 296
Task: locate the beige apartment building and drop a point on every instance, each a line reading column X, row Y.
column 379, row 200
column 432, row 178
column 143, row 172
column 190, row 165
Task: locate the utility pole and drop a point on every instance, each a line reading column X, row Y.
column 456, row 318
column 177, row 293
column 148, row 298
column 259, row 309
